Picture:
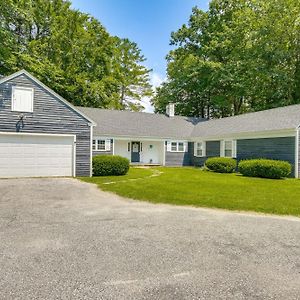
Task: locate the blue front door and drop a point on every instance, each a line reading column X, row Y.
column 135, row 151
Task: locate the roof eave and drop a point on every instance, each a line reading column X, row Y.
column 24, row 72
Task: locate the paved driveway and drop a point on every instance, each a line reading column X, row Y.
column 64, row 239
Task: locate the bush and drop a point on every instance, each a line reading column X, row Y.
column 221, row 164
column 108, row 165
column 265, row 168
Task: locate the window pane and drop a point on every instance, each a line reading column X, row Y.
column 94, row 144
column 173, row 146
column 228, row 145
column 199, row 152
column 228, row 153
column 180, row 147
column 101, row 144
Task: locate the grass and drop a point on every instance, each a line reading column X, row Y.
column 134, row 173
column 191, row 186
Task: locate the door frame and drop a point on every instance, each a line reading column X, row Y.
column 139, row 152
column 49, row 135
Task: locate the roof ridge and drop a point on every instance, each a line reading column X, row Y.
column 137, row 112
column 256, row 112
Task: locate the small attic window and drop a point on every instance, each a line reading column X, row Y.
column 22, row 99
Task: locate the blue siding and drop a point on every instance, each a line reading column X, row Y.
column 95, row 153
column 49, row 115
column 178, row 158
column 212, row 150
column 281, row 148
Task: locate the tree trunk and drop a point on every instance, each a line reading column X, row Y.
column 296, row 93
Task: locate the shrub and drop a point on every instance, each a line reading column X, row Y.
column 221, row 164
column 265, row 168
column 108, row 165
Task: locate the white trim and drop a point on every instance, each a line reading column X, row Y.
column 164, row 154
column 50, row 135
column 254, row 135
column 113, row 147
column 107, row 144
column 237, row 136
column 74, row 156
column 37, row 134
column 13, row 98
column 169, row 146
column 297, row 154
column 21, row 72
column 91, row 151
column 203, row 148
column 142, row 138
column 233, row 148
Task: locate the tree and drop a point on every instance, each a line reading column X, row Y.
column 132, row 76
column 239, row 56
column 69, row 51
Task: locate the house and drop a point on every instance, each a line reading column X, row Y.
column 42, row 134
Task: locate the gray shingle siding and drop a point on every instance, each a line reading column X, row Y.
column 49, row 115
column 178, row 158
column 281, row 148
column 212, row 150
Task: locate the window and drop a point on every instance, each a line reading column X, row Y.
column 180, row 147
column 176, row 146
column 228, row 148
column 101, row 144
column 200, row 149
column 22, row 99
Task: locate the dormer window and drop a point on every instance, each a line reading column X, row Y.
column 22, row 99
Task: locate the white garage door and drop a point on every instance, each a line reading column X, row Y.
column 35, row 155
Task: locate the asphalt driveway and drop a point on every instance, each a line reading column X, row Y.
column 64, row 239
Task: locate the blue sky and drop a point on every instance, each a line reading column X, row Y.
column 149, row 23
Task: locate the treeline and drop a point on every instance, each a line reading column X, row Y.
column 239, row 56
column 72, row 53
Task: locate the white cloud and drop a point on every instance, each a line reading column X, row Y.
column 156, row 80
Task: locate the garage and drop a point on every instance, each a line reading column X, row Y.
column 36, row 155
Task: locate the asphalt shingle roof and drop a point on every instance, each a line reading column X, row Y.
column 126, row 123
column 280, row 118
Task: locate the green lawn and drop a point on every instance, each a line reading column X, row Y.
column 191, row 186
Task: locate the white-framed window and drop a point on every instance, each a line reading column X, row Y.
column 176, row 146
column 101, row 144
column 200, row 149
column 228, row 148
column 22, row 99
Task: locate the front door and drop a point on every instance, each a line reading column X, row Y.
column 135, row 152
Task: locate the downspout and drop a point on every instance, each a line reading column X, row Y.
column 297, row 153
column 91, row 150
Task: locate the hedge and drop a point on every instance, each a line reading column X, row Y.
column 221, row 164
column 108, row 165
column 265, row 168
